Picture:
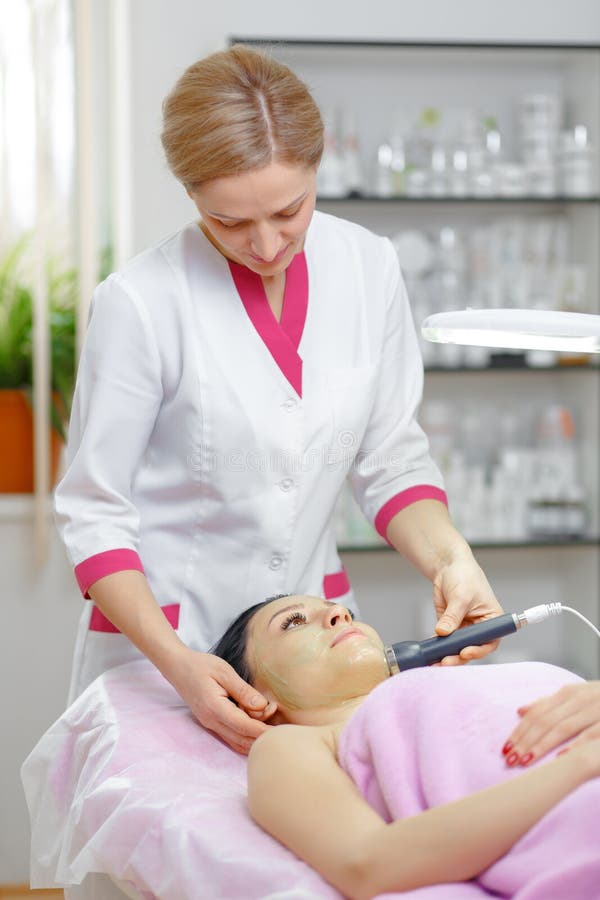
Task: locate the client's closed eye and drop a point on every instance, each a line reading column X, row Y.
column 295, row 618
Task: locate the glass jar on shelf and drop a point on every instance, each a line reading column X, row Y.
column 484, row 160
column 575, row 158
column 351, row 159
column 538, row 123
column 331, row 180
column 420, row 144
column 382, row 171
column 556, row 504
column 398, row 164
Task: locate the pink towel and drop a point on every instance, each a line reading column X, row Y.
column 429, row 736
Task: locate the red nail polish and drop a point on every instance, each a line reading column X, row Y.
column 526, row 759
column 512, row 758
column 507, row 748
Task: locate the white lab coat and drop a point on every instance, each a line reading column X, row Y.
column 214, row 461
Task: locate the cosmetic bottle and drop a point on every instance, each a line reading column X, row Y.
column 398, row 164
column 575, row 513
column 483, row 178
column 572, row 297
column 556, row 506
column 331, row 181
column 538, row 123
column 351, row 161
column 382, row 171
column 419, row 149
column 437, row 182
column 575, row 158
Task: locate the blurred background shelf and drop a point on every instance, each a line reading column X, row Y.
column 555, row 543
column 498, row 367
column 372, row 198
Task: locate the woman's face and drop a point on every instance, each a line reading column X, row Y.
column 306, row 652
column 259, row 218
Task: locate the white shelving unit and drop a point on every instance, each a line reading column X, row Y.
column 378, row 82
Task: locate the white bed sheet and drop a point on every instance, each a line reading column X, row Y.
column 126, row 783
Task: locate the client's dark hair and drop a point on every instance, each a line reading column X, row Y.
column 232, row 645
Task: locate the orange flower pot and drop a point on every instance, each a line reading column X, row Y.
column 16, row 445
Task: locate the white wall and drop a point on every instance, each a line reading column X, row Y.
column 40, row 608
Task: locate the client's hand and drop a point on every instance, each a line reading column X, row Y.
column 572, row 713
column 462, row 596
column 207, row 683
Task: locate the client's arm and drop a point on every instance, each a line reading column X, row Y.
column 298, row 793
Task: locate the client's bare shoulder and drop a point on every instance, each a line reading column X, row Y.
column 284, row 745
column 290, row 740
column 283, row 764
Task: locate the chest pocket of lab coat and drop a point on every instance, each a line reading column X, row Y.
column 351, row 393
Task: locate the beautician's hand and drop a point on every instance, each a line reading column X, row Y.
column 462, row 596
column 207, row 683
column 572, row 714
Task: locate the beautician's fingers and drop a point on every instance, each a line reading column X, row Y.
column 231, row 723
column 248, row 699
column 242, row 692
column 237, row 742
column 571, row 713
column 251, row 705
column 206, row 683
column 237, row 728
column 263, row 714
column 462, row 596
column 469, row 653
column 478, row 652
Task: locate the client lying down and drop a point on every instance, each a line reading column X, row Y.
column 387, row 784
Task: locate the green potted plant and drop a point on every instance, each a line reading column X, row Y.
column 16, row 365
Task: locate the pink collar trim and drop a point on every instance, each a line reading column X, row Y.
column 282, row 339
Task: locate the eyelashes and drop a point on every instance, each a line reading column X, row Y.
column 281, row 215
column 288, row 215
column 296, row 617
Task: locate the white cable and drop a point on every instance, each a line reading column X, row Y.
column 583, row 618
column 536, row 614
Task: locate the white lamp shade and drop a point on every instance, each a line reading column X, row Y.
column 519, row 329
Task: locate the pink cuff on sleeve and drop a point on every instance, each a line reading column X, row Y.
column 101, row 564
column 404, row 499
column 99, row 622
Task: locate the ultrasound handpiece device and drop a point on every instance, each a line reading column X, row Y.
column 414, row 654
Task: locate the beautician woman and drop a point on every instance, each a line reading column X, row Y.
column 231, row 378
